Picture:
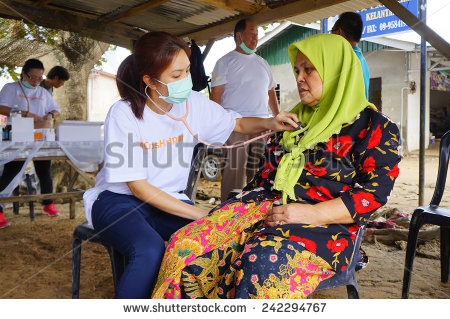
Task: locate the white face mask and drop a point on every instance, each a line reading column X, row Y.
column 28, row 85
column 179, row 91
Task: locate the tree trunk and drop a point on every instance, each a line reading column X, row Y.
column 77, row 54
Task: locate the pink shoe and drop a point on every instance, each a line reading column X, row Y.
column 3, row 222
column 50, row 210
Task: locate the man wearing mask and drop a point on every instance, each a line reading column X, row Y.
column 242, row 82
column 35, row 102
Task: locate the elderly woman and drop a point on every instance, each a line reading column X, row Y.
column 295, row 223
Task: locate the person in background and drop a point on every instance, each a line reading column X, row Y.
column 350, row 26
column 242, row 81
column 56, row 78
column 37, row 103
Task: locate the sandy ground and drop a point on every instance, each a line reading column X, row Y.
column 36, row 257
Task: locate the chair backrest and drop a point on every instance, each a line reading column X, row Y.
column 444, row 153
column 194, row 173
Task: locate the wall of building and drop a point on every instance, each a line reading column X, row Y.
column 101, row 94
column 397, row 70
column 391, row 67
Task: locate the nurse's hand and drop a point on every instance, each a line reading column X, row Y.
column 202, row 213
column 284, row 121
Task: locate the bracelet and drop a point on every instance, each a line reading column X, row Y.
column 53, row 114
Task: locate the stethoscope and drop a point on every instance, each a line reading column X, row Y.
column 184, row 117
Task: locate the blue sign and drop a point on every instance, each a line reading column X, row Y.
column 381, row 21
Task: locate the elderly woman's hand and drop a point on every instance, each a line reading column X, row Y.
column 331, row 211
column 293, row 214
column 284, row 121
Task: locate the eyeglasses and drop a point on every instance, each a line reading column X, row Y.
column 34, row 79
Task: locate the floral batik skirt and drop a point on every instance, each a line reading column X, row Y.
column 223, row 256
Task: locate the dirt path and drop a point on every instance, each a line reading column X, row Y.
column 35, row 257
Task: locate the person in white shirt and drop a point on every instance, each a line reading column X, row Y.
column 138, row 200
column 35, row 102
column 242, row 81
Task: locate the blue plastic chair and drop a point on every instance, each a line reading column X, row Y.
column 118, row 262
column 348, row 276
column 431, row 214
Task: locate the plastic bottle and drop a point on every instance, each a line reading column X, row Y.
column 6, row 132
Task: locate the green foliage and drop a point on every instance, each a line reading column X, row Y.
column 41, row 34
column 11, row 71
column 102, row 60
column 20, row 30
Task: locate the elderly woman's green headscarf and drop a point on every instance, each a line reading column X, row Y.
column 343, row 97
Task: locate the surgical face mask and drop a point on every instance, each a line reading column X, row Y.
column 179, row 91
column 246, row 49
column 28, row 85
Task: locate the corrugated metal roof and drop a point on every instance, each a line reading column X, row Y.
column 96, row 7
column 180, row 17
column 216, row 14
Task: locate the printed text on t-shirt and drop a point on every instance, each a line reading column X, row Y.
column 162, row 143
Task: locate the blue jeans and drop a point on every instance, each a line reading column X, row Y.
column 137, row 230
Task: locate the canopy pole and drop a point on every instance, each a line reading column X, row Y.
column 323, row 26
column 423, row 109
column 208, row 47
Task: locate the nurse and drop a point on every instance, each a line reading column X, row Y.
column 35, row 102
column 138, row 200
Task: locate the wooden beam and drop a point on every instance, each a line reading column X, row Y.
column 208, row 47
column 27, row 198
column 42, row 3
column 241, row 6
column 89, row 179
column 125, row 13
column 421, row 28
column 265, row 16
column 121, row 35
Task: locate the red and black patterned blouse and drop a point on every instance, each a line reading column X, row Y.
column 360, row 165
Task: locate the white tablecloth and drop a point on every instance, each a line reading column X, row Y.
column 84, row 155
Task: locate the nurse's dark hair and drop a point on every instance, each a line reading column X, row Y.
column 152, row 54
column 32, row 64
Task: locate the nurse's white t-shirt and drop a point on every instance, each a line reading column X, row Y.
column 157, row 148
column 247, row 79
column 40, row 101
